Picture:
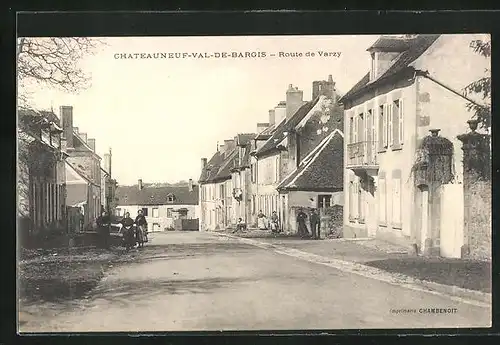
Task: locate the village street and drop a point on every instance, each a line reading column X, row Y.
column 186, row 281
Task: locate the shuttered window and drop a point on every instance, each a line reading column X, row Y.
column 390, row 124
column 396, row 202
column 401, row 122
column 380, row 134
column 384, row 125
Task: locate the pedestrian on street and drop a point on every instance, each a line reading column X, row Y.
column 128, row 234
column 275, row 222
column 240, row 226
column 301, row 221
column 315, row 224
column 142, row 227
column 262, row 221
column 103, row 222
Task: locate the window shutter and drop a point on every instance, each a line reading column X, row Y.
column 390, row 123
column 355, row 131
column 380, row 135
column 395, row 125
column 384, row 125
column 401, row 122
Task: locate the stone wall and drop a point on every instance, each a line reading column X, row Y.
column 331, row 221
column 478, row 219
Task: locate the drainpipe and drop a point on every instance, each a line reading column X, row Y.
column 427, row 75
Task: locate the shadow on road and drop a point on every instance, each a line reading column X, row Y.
column 126, row 292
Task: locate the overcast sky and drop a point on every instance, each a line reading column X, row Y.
column 182, row 107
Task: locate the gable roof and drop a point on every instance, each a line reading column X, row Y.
column 416, row 47
column 285, row 126
column 156, row 195
column 322, row 169
column 230, row 161
column 79, row 172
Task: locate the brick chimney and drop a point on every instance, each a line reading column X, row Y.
column 229, row 144
column 324, row 88
column 190, row 184
column 139, row 184
column 91, row 143
column 384, row 51
column 272, row 117
column 280, row 112
column 107, row 162
column 67, row 124
column 294, row 100
column 262, row 126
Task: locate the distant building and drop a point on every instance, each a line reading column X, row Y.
column 162, row 205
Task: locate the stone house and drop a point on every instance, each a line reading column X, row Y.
column 403, row 161
column 303, row 130
column 216, row 195
column 83, row 171
column 41, row 184
column 163, row 205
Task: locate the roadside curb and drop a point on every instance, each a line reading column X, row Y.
column 456, row 293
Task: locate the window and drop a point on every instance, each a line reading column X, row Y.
column 400, row 122
column 169, row 212
column 277, row 169
column 361, row 203
column 156, row 227
column 390, row 124
column 155, row 212
column 253, row 204
column 324, row 201
column 381, row 124
column 170, row 198
column 351, row 200
column 145, row 211
column 351, row 130
column 253, row 173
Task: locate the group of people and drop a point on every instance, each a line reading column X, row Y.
column 273, row 223
column 314, row 222
column 135, row 232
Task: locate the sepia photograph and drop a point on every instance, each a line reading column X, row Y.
column 253, row 183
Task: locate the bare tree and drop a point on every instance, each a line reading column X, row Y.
column 53, row 62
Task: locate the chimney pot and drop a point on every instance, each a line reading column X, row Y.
column 190, row 184
column 66, row 113
column 91, row 143
column 139, row 183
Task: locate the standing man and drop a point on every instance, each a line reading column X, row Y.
column 301, row 221
column 142, row 227
column 315, row 224
column 103, row 222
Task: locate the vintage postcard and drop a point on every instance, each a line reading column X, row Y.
column 254, row 183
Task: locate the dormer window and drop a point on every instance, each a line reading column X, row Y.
column 373, row 70
column 170, row 198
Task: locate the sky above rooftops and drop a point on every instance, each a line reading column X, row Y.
column 182, row 107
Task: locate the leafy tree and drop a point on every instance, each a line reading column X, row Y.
column 481, row 86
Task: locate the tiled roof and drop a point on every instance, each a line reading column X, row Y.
column 266, row 133
column 229, row 163
column 322, row 169
column 212, row 168
column 416, row 47
column 80, row 172
column 154, row 195
column 243, row 139
column 394, row 44
column 285, row 126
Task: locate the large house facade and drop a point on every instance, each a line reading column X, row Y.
column 164, row 206
column 83, row 172
column 41, row 179
column 309, row 129
column 411, row 96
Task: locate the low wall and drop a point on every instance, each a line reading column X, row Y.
column 331, row 221
column 478, row 220
column 186, row 224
